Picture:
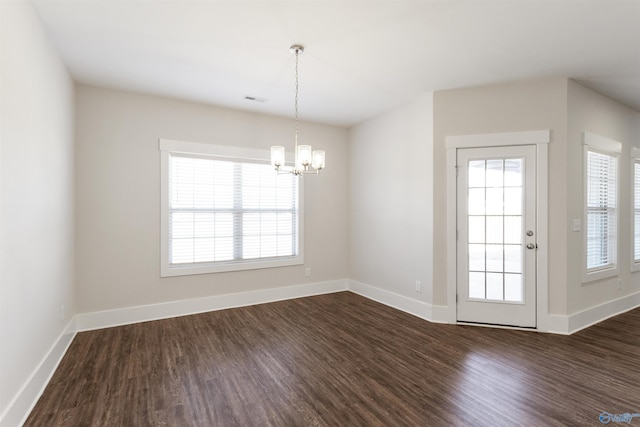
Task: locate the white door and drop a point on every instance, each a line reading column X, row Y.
column 496, row 247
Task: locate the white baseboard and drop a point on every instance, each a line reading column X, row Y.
column 557, row 324
column 19, row 408
column 144, row 313
column 567, row 325
column 441, row 314
column 417, row 308
column 23, row 402
column 591, row 316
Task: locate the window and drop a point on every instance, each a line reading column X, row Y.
column 601, row 210
column 635, row 265
column 222, row 212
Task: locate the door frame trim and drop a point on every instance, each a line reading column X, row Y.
column 539, row 138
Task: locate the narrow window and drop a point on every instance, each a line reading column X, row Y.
column 636, row 214
column 601, row 210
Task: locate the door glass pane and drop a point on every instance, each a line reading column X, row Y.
column 476, row 173
column 495, row 286
column 476, row 285
column 495, row 173
column 513, row 173
column 513, row 201
column 495, row 201
column 495, row 209
column 476, row 201
column 513, row 229
column 476, row 229
column 513, row 258
column 476, row 257
column 495, row 228
column 494, row 258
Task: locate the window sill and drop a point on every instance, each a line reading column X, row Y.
column 168, row 271
column 588, row 277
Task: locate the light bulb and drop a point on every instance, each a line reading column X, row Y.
column 277, row 156
column 304, row 155
column 318, row 159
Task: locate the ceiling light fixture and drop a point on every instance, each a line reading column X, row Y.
column 307, row 161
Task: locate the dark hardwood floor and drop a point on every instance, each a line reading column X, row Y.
column 341, row 360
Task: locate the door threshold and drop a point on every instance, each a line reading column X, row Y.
column 498, row 326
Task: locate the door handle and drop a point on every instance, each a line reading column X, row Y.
column 531, row 246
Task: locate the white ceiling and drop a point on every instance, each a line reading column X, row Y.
column 361, row 57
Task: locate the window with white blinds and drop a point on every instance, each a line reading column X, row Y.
column 601, row 207
column 601, row 210
column 225, row 214
column 636, row 213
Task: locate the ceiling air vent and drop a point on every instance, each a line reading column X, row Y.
column 254, row 99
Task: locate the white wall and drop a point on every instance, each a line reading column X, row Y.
column 36, row 208
column 589, row 111
column 391, row 205
column 118, row 198
column 568, row 109
column 509, row 107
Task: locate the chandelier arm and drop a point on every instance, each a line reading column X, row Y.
column 306, row 171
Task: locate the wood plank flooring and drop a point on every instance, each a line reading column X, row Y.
column 341, row 360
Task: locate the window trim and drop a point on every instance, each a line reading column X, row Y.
column 168, row 146
column 635, row 159
column 599, row 144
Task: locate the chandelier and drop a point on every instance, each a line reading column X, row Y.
column 307, row 161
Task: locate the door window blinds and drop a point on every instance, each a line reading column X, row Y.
column 229, row 211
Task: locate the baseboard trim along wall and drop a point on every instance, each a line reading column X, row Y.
column 24, row 401
column 145, row 313
column 557, row 324
column 437, row 314
column 591, row 316
column 567, row 325
column 27, row 397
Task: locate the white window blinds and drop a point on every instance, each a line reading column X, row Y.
column 229, row 211
column 601, row 210
column 636, row 210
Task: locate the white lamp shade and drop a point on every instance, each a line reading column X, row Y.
column 277, row 155
column 304, row 155
column 318, row 159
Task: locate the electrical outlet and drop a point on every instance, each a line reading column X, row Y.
column 619, row 284
column 307, row 272
column 418, row 286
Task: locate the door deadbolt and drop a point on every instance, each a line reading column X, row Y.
column 529, row 233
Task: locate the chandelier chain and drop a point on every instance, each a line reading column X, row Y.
column 296, row 99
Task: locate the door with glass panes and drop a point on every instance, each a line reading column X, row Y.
column 496, row 229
